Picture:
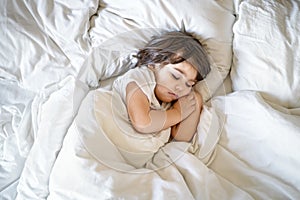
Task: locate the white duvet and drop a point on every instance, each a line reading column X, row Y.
column 249, row 154
column 267, row 51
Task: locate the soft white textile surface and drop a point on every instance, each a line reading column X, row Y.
column 55, row 117
column 43, row 41
column 258, row 147
column 15, row 116
column 15, row 131
column 255, row 158
column 267, row 51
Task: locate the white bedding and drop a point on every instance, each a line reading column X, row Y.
column 248, row 161
column 177, row 170
column 54, row 54
column 267, row 37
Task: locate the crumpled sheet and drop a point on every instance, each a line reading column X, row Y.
column 245, row 162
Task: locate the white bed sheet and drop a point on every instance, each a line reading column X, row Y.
column 266, row 50
column 15, row 115
column 41, row 44
column 255, row 158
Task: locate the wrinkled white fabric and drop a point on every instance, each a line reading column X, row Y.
column 245, row 162
column 56, row 115
column 258, row 146
column 41, row 43
column 266, row 50
column 15, row 133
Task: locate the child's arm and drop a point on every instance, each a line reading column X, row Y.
column 146, row 120
column 185, row 130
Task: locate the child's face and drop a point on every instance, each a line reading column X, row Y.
column 174, row 81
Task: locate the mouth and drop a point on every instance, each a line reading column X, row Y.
column 175, row 96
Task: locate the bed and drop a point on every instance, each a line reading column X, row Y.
column 56, row 55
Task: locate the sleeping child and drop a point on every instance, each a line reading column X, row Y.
column 154, row 102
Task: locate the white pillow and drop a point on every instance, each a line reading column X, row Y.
column 266, row 50
column 122, row 27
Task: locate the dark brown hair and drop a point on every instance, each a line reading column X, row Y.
column 175, row 47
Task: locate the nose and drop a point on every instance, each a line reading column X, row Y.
column 180, row 85
column 182, row 90
column 178, row 88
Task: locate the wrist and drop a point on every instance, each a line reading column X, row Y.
column 174, row 116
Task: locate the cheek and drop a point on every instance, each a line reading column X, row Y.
column 164, row 80
column 186, row 91
column 160, row 93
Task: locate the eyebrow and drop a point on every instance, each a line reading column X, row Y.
column 182, row 72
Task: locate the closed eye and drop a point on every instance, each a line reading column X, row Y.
column 190, row 83
column 175, row 77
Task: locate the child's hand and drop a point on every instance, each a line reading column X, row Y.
column 185, row 105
